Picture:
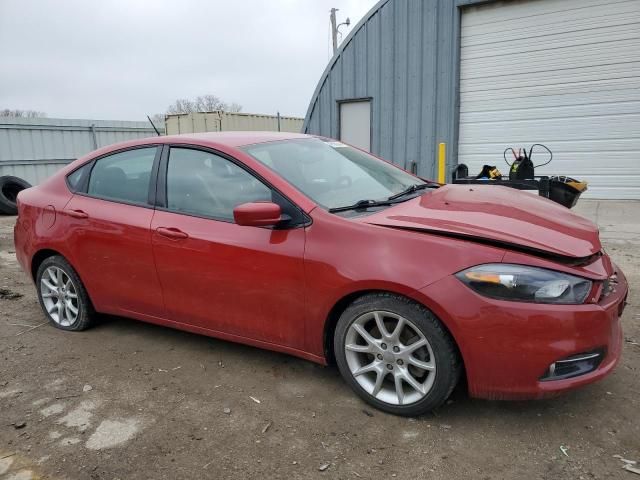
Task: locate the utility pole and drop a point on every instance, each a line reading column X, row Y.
column 335, row 28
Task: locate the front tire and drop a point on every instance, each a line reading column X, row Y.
column 62, row 295
column 396, row 355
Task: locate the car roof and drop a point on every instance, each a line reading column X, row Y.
column 216, row 140
column 232, row 139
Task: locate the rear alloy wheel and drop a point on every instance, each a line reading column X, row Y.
column 62, row 295
column 396, row 354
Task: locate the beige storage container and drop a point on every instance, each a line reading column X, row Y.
column 227, row 121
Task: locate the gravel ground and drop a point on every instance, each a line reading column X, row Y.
column 128, row 400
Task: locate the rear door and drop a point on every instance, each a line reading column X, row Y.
column 238, row 280
column 108, row 230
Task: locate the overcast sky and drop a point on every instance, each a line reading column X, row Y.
column 123, row 59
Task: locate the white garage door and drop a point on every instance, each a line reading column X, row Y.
column 565, row 73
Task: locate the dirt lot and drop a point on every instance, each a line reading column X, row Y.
column 129, row 400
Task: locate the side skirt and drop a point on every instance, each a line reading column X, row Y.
column 221, row 335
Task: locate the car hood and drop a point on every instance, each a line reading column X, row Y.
column 497, row 214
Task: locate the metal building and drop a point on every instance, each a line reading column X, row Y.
column 35, row 148
column 481, row 75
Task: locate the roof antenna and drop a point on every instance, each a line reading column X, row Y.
column 154, row 127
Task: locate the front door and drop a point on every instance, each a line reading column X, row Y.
column 215, row 274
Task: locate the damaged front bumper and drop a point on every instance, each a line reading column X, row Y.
column 514, row 350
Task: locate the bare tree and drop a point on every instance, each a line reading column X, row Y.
column 202, row 103
column 209, row 103
column 158, row 118
column 7, row 112
column 181, row 105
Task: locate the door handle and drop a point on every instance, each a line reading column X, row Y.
column 171, row 232
column 77, row 214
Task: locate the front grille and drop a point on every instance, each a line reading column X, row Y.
column 574, row 366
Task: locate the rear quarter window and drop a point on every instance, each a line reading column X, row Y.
column 77, row 179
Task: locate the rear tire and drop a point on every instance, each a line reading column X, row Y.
column 62, row 295
column 396, row 355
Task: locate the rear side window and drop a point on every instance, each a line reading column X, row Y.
column 75, row 180
column 123, row 176
column 204, row 184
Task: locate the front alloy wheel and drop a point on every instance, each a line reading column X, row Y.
column 390, row 357
column 396, row 354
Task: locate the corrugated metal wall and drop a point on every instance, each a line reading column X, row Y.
column 35, row 148
column 402, row 55
column 229, row 121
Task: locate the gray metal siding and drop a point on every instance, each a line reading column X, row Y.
column 403, row 55
column 35, row 148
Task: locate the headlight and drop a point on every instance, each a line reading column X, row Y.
column 521, row 283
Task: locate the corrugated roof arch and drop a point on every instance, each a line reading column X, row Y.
column 354, row 32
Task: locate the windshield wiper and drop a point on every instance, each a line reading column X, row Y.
column 411, row 189
column 362, row 204
column 393, row 199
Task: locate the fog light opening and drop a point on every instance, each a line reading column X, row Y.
column 574, row 366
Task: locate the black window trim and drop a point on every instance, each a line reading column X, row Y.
column 161, row 187
column 83, row 184
column 156, row 197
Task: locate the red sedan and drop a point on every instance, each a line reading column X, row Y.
column 308, row 246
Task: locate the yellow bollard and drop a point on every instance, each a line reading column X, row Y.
column 442, row 155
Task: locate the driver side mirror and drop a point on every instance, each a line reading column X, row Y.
column 257, row 214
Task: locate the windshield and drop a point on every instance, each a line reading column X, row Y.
column 331, row 173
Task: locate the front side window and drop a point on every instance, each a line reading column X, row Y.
column 331, row 173
column 123, row 176
column 204, row 184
